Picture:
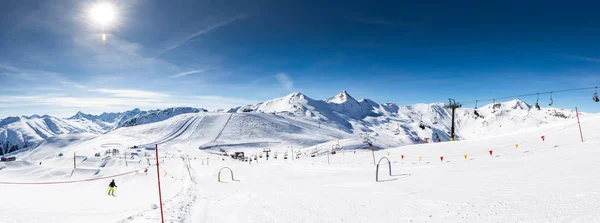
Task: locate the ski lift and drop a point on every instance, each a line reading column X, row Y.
column 596, row 96
column 397, row 130
column 537, row 105
column 551, row 101
column 475, row 110
column 496, row 105
column 421, row 124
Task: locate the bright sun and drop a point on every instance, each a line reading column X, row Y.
column 103, row 14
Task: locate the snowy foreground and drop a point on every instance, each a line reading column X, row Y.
column 554, row 180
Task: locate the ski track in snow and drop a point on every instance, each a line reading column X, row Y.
column 179, row 131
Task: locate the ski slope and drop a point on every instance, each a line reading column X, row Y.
column 540, row 181
column 298, row 120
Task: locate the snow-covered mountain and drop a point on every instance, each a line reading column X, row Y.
column 110, row 121
column 27, row 131
column 161, row 115
column 24, row 131
column 339, row 117
column 409, row 124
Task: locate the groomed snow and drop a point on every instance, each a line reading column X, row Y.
column 540, row 181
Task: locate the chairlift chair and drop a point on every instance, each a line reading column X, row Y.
column 422, row 125
column 496, row 105
column 475, row 110
column 596, row 96
column 551, row 101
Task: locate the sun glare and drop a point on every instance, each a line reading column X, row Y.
column 103, row 14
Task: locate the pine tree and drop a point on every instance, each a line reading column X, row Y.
column 14, row 148
column 5, row 148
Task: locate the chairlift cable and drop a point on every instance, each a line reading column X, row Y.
column 530, row 94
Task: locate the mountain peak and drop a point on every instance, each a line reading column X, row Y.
column 296, row 94
column 340, row 98
column 81, row 115
column 32, row 116
column 518, row 104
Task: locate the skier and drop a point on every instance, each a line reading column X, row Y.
column 111, row 188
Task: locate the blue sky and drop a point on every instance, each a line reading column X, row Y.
column 219, row 54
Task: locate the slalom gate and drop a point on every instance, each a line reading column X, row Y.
column 219, row 175
column 377, row 168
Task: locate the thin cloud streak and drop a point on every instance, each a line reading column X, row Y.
column 588, row 59
column 189, row 72
column 203, row 31
column 128, row 93
column 36, row 75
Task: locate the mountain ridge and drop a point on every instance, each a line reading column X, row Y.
column 404, row 124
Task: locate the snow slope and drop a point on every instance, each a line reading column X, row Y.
column 538, row 181
column 221, row 131
column 30, row 131
column 510, row 117
column 159, row 116
column 400, row 125
column 339, row 117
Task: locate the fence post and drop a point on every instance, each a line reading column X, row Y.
column 579, row 123
column 159, row 192
column 373, row 150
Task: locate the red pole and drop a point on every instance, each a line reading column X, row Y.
column 579, row 123
column 373, row 149
column 159, row 193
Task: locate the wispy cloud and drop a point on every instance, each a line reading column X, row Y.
column 66, row 82
column 9, row 68
column 116, row 100
column 36, row 75
column 188, row 73
column 285, row 81
column 588, row 59
column 26, row 74
column 127, row 93
column 203, row 31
